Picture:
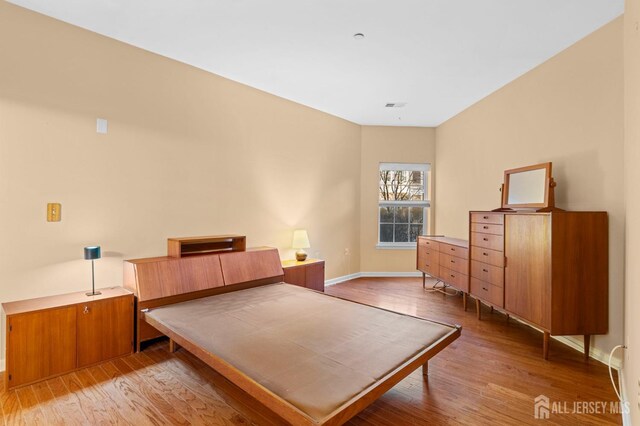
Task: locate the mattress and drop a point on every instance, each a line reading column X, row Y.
column 312, row 350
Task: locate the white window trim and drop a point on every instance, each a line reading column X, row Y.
column 413, row 167
column 425, row 203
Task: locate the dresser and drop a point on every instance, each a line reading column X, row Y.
column 50, row 336
column 445, row 259
column 549, row 269
column 308, row 273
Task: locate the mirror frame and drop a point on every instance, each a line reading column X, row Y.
column 547, row 187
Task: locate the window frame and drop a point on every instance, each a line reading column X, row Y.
column 425, row 204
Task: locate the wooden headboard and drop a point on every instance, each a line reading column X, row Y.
column 158, row 281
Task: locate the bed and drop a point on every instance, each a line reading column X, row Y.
column 311, row 358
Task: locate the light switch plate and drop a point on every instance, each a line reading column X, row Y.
column 102, row 126
column 54, row 212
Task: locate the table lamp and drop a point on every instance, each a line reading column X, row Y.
column 92, row 253
column 300, row 242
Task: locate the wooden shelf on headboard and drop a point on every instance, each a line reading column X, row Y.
column 193, row 246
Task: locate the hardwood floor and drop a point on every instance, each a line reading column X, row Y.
column 490, row 375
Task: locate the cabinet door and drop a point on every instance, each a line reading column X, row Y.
column 40, row 344
column 527, row 286
column 314, row 276
column 105, row 329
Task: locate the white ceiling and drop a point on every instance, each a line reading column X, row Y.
column 438, row 56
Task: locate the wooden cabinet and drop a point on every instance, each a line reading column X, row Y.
column 54, row 335
column 308, row 273
column 549, row 269
column 40, row 344
column 105, row 329
column 447, row 260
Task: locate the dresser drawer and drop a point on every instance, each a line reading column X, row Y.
column 452, row 250
column 432, row 269
column 488, row 273
column 454, row 263
column 492, row 257
column 487, row 228
column 454, row 278
column 493, row 242
column 487, row 292
column 495, row 218
column 427, row 243
column 428, row 262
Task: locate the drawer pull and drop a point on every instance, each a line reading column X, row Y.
column 485, row 217
column 452, row 249
column 427, row 265
column 452, row 261
column 485, row 254
column 452, row 276
column 485, row 289
column 485, row 227
column 85, row 310
column 485, row 270
column 485, row 239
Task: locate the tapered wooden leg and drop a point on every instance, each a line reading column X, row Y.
column 173, row 346
column 464, row 301
column 545, row 345
column 587, row 345
column 425, row 369
column 478, row 309
column 507, row 317
column 492, row 309
column 424, row 279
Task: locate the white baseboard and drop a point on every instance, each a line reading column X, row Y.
column 626, row 416
column 594, row 353
column 391, row 274
column 353, row 276
column 2, row 365
column 342, row 279
column 578, row 345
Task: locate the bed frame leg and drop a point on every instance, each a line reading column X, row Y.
column 173, row 346
column 425, row 369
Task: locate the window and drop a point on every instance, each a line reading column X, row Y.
column 403, row 204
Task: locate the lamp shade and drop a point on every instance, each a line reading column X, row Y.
column 91, row 253
column 300, row 239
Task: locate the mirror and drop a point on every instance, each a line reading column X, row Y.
column 527, row 187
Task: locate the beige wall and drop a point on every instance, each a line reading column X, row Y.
column 632, row 192
column 381, row 144
column 568, row 110
column 187, row 153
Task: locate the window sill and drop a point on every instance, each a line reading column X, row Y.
column 395, row 247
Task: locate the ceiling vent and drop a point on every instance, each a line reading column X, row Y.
column 395, row 104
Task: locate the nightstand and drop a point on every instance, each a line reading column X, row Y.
column 308, row 273
column 54, row 335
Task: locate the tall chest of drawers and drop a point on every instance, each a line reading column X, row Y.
column 549, row 269
column 445, row 259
